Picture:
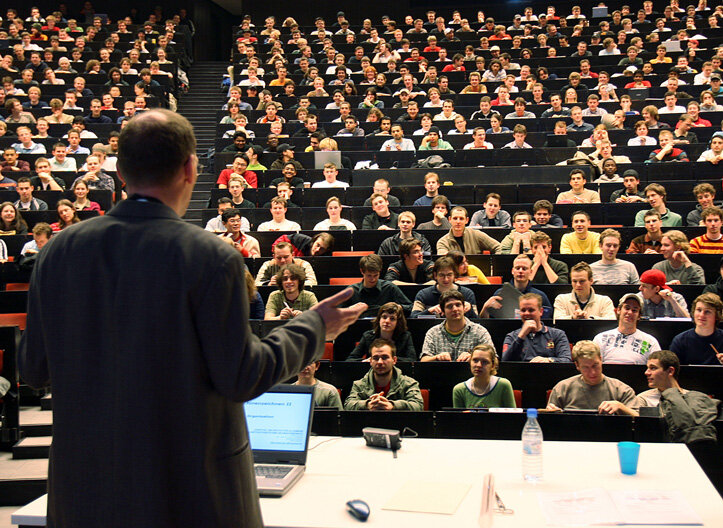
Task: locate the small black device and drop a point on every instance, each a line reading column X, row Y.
column 386, row 438
column 359, row 509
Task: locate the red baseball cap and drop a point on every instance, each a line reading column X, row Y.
column 656, row 278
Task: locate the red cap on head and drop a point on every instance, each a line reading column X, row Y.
column 656, row 278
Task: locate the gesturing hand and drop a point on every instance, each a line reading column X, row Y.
column 336, row 319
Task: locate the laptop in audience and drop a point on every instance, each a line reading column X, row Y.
column 600, row 12
column 279, row 423
column 639, row 94
column 321, row 158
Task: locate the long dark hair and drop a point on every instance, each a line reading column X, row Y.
column 391, row 308
column 18, row 224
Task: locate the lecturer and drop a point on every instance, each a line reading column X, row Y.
column 151, row 359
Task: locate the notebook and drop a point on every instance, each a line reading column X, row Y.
column 279, row 422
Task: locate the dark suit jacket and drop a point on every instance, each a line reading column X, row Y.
column 140, row 322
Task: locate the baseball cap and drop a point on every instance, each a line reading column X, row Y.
column 284, row 147
column 340, row 14
column 631, row 172
column 715, row 76
column 434, row 130
column 405, row 90
column 632, row 296
column 495, row 48
column 655, row 277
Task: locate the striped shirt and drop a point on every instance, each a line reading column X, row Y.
column 703, row 244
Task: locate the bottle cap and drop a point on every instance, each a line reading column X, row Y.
column 532, row 412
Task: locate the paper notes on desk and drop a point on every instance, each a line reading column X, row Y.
column 428, row 497
column 596, row 507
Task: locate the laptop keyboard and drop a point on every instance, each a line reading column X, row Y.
column 271, row 471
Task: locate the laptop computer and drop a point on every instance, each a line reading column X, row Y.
column 279, row 423
column 599, row 12
column 557, row 140
column 638, row 94
column 321, row 158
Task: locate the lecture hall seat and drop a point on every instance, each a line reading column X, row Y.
column 518, row 398
column 343, row 281
column 14, row 319
column 328, row 351
column 494, row 279
column 350, row 253
column 17, row 286
column 425, row 398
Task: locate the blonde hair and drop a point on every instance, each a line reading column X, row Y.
column 585, row 350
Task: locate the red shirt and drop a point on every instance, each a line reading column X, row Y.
column 249, row 176
column 452, row 67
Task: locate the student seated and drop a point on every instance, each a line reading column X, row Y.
column 627, row 344
column 412, row 268
column 583, row 302
column 373, row 291
column 650, row 242
column 581, row 240
column 677, row 266
column 702, row 345
column 325, row 394
column 456, row 336
column 591, row 389
column 578, row 193
column 290, row 300
column 384, row 387
column 389, row 324
column 705, row 195
column 545, row 269
column 467, row 273
column 440, row 210
column 535, row 342
column 519, row 240
column 710, row 242
column 492, row 215
column 483, row 389
column 426, row 302
column 405, row 222
column 609, row 269
column 461, row 238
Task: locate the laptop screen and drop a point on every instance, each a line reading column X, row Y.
column 279, row 421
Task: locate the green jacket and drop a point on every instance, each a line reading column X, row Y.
column 404, row 393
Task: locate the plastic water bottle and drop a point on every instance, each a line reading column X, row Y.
column 532, row 448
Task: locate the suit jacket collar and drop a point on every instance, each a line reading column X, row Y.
column 143, row 209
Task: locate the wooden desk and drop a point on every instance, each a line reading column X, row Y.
column 340, row 469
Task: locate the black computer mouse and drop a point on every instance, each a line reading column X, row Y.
column 358, row 508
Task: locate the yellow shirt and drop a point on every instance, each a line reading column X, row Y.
column 474, row 271
column 570, row 244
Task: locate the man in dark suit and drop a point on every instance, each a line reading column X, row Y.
column 151, row 359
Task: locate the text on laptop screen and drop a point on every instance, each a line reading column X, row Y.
column 278, row 421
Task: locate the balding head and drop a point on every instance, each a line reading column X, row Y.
column 153, row 147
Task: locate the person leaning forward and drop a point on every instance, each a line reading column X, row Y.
column 148, row 404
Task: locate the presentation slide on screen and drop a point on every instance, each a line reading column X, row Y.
column 278, row 421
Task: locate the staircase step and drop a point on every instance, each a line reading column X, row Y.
column 32, row 447
column 46, row 402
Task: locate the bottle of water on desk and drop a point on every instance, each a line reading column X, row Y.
column 532, row 448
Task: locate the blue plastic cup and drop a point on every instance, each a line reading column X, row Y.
column 628, row 454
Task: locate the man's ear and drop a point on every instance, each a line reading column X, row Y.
column 189, row 169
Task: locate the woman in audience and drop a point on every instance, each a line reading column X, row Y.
column 67, row 216
column 390, row 324
column 381, row 85
column 11, row 223
column 483, row 389
column 497, row 128
column 641, row 136
column 349, row 89
column 467, row 273
column 81, row 203
column 291, row 299
column 707, row 102
column 570, row 96
column 335, row 221
column 256, row 302
column 370, row 76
